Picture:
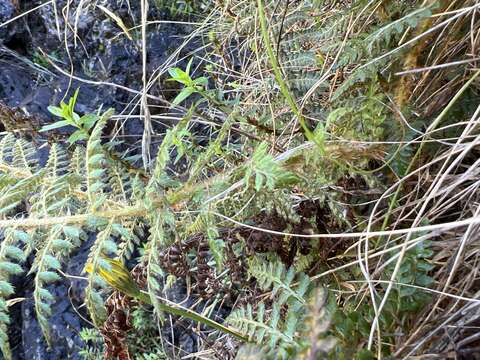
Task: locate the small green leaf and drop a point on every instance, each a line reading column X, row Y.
column 76, row 136
column 55, row 111
column 189, row 65
column 71, row 231
column 185, row 93
column 6, row 288
column 48, row 276
column 10, row 268
column 76, row 118
column 201, row 81
column 73, row 99
column 62, row 245
column 88, row 120
column 55, row 125
column 180, row 76
column 258, row 181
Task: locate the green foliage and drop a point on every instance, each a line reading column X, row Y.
column 58, row 244
column 182, row 7
column 353, row 326
column 249, row 163
column 191, row 85
column 271, row 329
column 266, row 172
column 71, row 118
column 294, row 326
column 146, row 346
column 11, row 256
column 93, row 348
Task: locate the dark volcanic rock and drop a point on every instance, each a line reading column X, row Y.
column 7, row 10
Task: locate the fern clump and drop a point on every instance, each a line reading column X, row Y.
column 297, row 161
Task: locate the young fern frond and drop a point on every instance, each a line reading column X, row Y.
column 119, row 182
column 54, row 193
column 24, row 156
column 131, row 233
column 12, row 195
column 159, row 174
column 77, row 162
column 6, row 147
column 258, row 328
column 58, row 244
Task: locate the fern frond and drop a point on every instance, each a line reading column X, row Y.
column 381, row 38
column 54, row 193
column 95, row 162
column 131, row 233
column 60, row 241
column 46, row 266
column 11, row 254
column 119, row 182
column 6, row 147
column 103, row 247
column 257, row 327
column 214, row 147
column 274, row 275
column 277, row 332
column 157, row 241
column 163, row 155
column 24, row 156
column 12, row 195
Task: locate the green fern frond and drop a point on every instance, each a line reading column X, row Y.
column 257, row 327
column 160, row 224
column 131, row 232
column 25, row 156
column 59, row 243
column 163, row 155
column 6, row 147
column 11, row 255
column 274, row 275
column 382, row 38
column 54, row 193
column 12, row 195
column 95, row 164
column 46, row 266
column 214, row 148
column 103, row 247
column 276, row 330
